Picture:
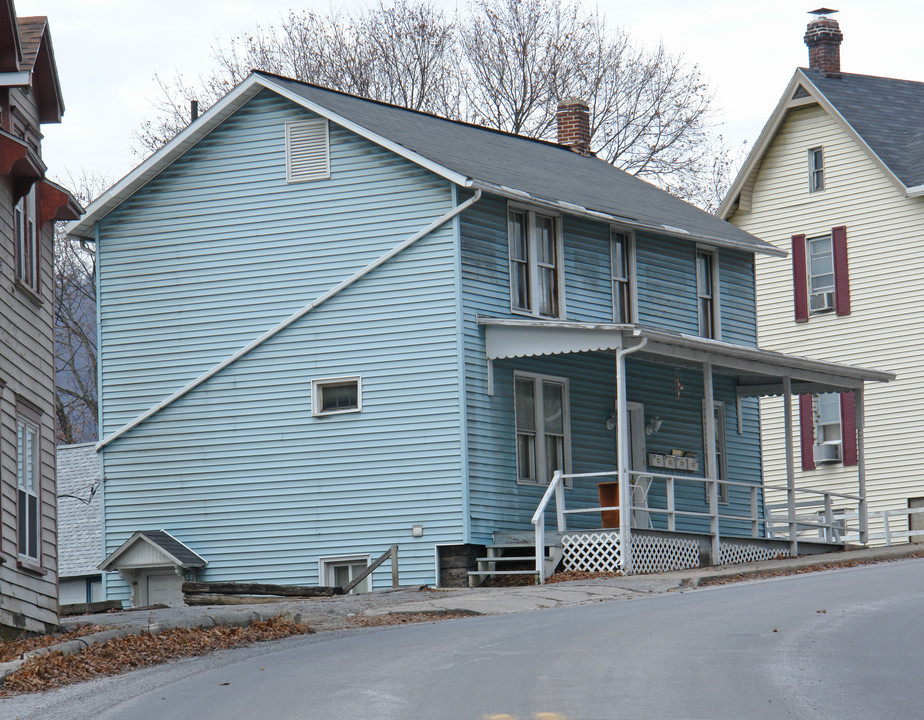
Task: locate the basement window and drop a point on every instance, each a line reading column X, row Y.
column 307, row 151
column 334, row 396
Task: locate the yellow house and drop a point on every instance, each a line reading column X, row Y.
column 836, row 179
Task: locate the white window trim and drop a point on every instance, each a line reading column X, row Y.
column 327, row 563
column 35, row 491
column 25, row 230
column 540, row 447
column 532, row 263
column 808, row 275
column 817, row 426
column 812, row 169
column 323, row 175
column 721, row 439
column 316, row 387
column 716, row 289
column 630, row 268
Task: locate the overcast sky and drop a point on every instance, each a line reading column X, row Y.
column 108, row 51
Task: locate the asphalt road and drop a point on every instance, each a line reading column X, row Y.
column 839, row 644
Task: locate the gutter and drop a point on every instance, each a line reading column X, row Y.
column 916, row 191
column 320, row 300
column 668, row 230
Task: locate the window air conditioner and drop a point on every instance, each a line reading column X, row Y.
column 821, row 302
column 828, row 453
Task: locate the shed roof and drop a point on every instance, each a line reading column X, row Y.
column 168, row 546
column 79, row 520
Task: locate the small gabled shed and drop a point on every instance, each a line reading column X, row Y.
column 154, row 564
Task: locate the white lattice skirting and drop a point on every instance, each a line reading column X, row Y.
column 600, row 552
column 651, row 554
column 592, row 552
column 733, row 553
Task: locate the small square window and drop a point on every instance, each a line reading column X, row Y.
column 816, row 167
column 332, row 396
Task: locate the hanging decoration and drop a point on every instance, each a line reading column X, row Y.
column 677, row 382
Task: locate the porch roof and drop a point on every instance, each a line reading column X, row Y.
column 758, row 372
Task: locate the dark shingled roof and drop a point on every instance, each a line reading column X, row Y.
column 174, row 547
column 887, row 113
column 30, row 35
column 545, row 170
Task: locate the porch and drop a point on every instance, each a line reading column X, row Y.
column 665, row 530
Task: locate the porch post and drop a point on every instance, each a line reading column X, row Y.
column 711, row 461
column 859, row 410
column 790, row 467
column 622, row 451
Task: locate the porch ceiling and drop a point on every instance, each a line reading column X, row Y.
column 759, row 372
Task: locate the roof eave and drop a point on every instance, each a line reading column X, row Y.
column 214, row 116
column 760, row 146
column 759, row 246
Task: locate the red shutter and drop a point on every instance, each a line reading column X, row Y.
column 841, row 279
column 848, row 430
column 799, row 280
column 807, row 431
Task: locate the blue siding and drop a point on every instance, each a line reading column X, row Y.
column 667, row 299
column 213, row 252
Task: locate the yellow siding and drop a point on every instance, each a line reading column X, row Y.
column 885, row 330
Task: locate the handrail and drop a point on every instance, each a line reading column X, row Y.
column 556, row 479
column 393, row 552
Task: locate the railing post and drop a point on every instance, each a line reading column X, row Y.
column 790, row 468
column 394, row 566
column 885, row 525
column 540, row 550
column 714, row 520
column 560, row 501
column 755, row 521
column 829, row 520
column 671, row 520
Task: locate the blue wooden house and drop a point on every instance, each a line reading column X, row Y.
column 329, row 325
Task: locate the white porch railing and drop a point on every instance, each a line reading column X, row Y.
column 821, row 516
column 890, row 534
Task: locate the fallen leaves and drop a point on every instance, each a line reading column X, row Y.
column 400, row 618
column 15, row 648
column 119, row 655
column 568, row 575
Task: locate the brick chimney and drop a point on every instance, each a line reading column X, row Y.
column 823, row 37
column 574, row 125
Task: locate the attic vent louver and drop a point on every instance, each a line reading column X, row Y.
column 307, row 151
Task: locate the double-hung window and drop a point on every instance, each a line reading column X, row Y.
column 816, row 169
column 27, row 480
column 621, row 265
column 820, row 271
column 27, row 265
column 543, row 443
column 721, row 453
column 535, row 263
column 707, row 293
column 827, row 412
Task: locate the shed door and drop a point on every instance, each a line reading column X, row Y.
column 163, row 587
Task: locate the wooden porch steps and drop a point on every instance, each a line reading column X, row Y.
column 513, row 556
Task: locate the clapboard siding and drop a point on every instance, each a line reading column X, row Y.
column 29, row 600
column 210, row 254
column 666, row 299
column 884, row 330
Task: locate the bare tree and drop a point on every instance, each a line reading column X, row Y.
column 502, row 63
column 75, row 328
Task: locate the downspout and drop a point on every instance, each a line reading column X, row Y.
column 622, row 449
column 343, row 285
